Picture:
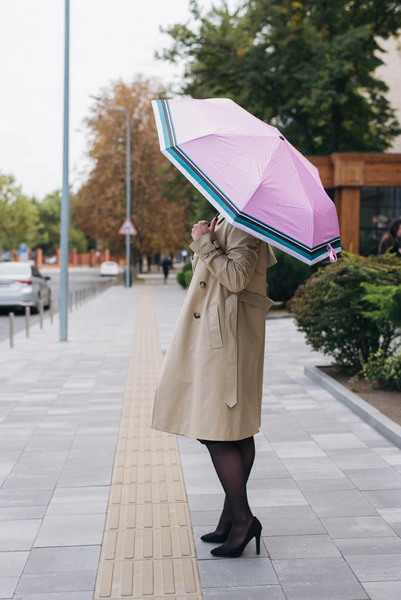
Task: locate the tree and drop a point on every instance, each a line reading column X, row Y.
column 18, row 216
column 48, row 236
column 160, row 218
column 307, row 67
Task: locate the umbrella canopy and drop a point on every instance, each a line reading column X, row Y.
column 251, row 174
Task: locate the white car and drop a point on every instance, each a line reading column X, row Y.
column 109, row 268
column 21, row 284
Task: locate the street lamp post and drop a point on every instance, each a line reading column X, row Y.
column 128, row 182
column 65, row 199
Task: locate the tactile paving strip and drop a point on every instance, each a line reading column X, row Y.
column 148, row 548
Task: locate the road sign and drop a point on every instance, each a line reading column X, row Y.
column 23, row 253
column 127, row 228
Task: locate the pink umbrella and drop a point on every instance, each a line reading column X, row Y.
column 251, row 174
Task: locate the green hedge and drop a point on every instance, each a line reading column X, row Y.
column 284, row 278
column 185, row 276
column 332, row 309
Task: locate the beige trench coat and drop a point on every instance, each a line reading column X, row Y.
column 210, row 386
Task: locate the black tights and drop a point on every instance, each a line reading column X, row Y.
column 233, row 463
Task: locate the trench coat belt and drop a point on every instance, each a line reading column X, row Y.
column 231, row 321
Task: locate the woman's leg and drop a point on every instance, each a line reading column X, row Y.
column 247, row 450
column 229, row 464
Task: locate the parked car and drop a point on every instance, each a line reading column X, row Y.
column 109, row 268
column 51, row 260
column 21, row 284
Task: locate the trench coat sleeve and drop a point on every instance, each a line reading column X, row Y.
column 234, row 267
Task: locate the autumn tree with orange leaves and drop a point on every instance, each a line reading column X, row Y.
column 161, row 219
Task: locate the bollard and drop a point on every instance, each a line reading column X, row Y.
column 76, row 300
column 41, row 313
column 27, row 320
column 11, row 324
column 51, row 311
column 70, row 301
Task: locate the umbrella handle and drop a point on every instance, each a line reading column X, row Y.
column 332, row 253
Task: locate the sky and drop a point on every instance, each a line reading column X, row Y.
column 109, row 40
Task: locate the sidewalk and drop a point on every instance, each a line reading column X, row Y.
column 74, row 445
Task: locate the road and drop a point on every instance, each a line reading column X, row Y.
column 77, row 281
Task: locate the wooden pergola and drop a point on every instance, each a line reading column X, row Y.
column 346, row 173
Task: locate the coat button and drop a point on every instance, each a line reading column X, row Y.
column 202, row 284
column 196, row 315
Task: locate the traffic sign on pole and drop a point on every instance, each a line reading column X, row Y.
column 127, row 228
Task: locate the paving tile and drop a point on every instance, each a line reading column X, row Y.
column 80, row 494
column 71, row 558
column 384, row 498
column 18, row 535
column 289, row 520
column 56, row 596
column 238, row 572
column 378, row 545
column 338, row 440
column 25, row 498
column 383, row 590
column 339, row 503
column 356, row 527
column 376, row 567
column 265, row 592
column 59, row 581
column 7, row 586
column 297, row 449
column 22, row 512
column 375, row 479
column 12, row 563
column 318, row 579
column 70, row 530
column 301, row 546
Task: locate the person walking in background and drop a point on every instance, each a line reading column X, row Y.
column 166, row 266
column 390, row 238
column 210, row 387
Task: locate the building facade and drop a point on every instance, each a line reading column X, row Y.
column 366, row 189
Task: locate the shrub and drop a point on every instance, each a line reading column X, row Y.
column 383, row 370
column 329, row 308
column 284, row 278
column 185, row 276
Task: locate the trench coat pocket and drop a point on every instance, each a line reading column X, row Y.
column 216, row 340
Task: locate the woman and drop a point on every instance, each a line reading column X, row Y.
column 210, row 387
column 390, row 238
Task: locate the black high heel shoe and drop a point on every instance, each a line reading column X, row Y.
column 254, row 531
column 216, row 538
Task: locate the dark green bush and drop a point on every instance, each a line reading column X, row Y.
column 284, row 278
column 329, row 308
column 185, row 276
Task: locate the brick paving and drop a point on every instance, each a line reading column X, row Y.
column 94, row 503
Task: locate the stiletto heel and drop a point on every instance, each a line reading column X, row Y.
column 254, row 531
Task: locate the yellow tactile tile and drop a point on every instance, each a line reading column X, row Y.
column 148, row 548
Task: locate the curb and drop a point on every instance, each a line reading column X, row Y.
column 367, row 412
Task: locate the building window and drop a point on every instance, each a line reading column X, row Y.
column 379, row 206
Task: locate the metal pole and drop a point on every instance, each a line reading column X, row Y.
column 65, row 201
column 41, row 313
column 11, row 323
column 27, row 320
column 51, row 311
column 128, row 201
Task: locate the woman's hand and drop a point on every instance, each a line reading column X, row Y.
column 203, row 227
